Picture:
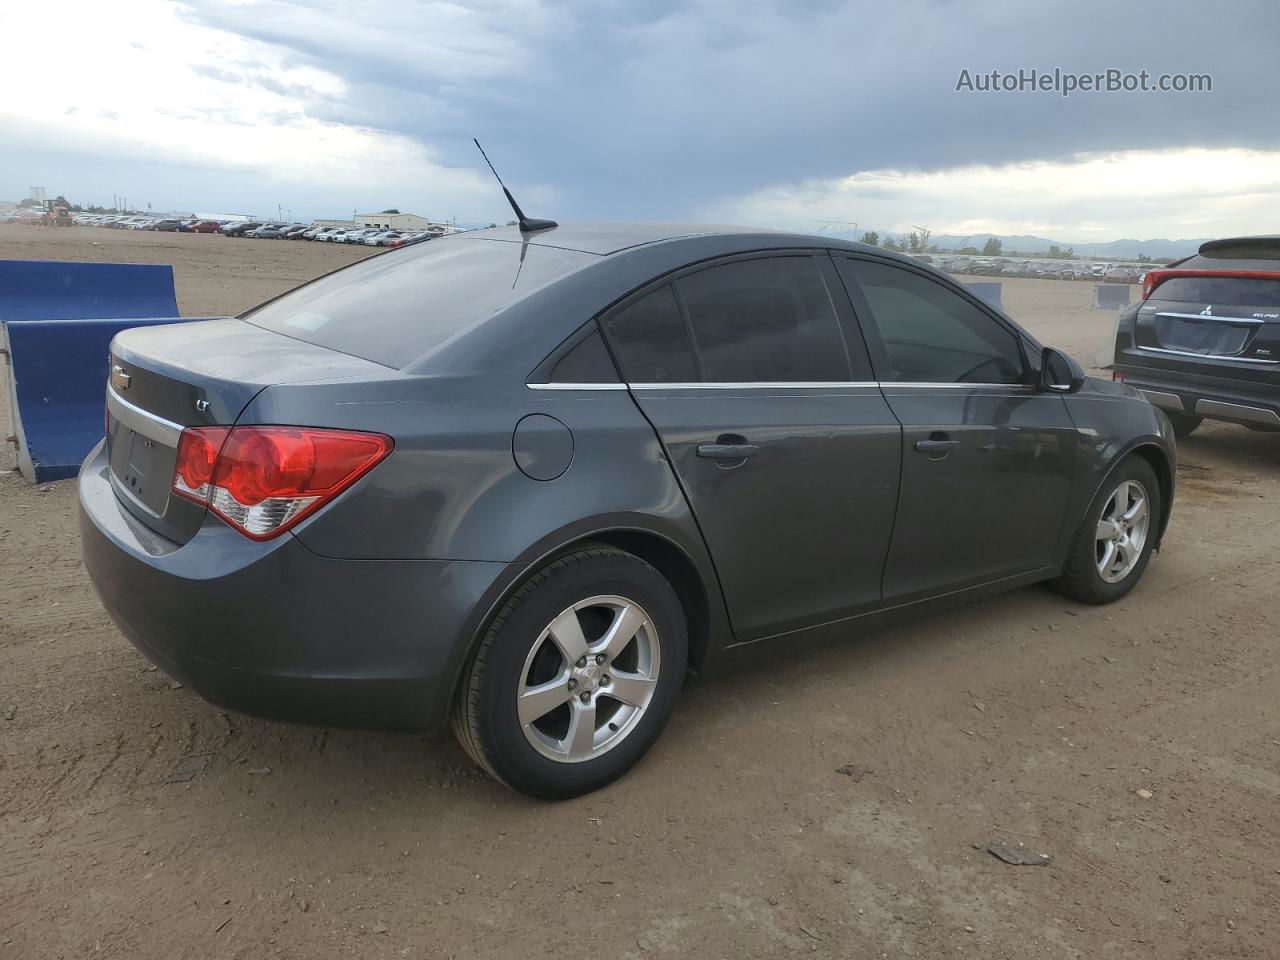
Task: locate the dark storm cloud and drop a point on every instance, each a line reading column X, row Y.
column 655, row 108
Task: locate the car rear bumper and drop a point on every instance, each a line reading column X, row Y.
column 275, row 630
column 1214, row 398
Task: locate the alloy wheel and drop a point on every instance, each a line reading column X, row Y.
column 588, row 679
column 1122, row 531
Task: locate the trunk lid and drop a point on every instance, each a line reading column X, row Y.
column 1212, row 321
column 166, row 378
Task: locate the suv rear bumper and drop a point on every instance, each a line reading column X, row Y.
column 275, row 630
column 1214, row 398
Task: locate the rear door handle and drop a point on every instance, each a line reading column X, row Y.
column 727, row 451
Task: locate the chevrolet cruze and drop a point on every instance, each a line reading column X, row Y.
column 527, row 481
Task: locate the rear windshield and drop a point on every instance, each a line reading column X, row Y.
column 1226, row 291
column 394, row 308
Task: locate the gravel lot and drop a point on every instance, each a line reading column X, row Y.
column 837, row 805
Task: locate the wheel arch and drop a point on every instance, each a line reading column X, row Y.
column 686, row 567
column 1161, row 463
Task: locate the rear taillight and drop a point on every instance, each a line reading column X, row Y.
column 1153, row 278
column 263, row 480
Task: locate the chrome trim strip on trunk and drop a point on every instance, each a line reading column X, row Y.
column 1238, row 411
column 1169, row 401
column 143, row 421
column 1252, row 321
column 1207, row 356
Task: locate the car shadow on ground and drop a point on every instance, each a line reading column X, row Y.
column 285, row 763
column 1230, row 447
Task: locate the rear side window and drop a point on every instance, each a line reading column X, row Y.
column 649, row 340
column 764, row 320
column 932, row 334
column 394, row 308
column 586, row 362
column 1226, row 291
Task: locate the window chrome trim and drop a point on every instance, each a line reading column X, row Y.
column 756, row 385
column 576, row 386
column 928, row 385
column 143, row 421
column 1206, row 356
column 1252, row 321
column 784, row 385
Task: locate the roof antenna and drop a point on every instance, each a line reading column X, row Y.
column 526, row 225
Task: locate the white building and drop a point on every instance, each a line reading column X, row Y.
column 398, row 221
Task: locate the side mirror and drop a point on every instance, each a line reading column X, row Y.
column 1059, row 372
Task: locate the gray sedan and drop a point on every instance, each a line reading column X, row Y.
column 527, row 483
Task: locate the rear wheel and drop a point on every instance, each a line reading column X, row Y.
column 577, row 675
column 1116, row 537
column 1183, row 424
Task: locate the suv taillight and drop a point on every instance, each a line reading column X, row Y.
column 1153, row 278
column 262, row 480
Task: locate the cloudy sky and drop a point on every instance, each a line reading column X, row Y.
column 803, row 114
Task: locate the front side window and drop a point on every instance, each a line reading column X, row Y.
column 764, row 320
column 932, row 334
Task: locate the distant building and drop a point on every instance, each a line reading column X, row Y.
column 334, row 223
column 221, row 217
column 397, row 221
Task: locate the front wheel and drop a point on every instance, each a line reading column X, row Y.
column 576, row 676
column 1116, row 537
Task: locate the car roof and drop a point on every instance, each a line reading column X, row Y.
column 1265, row 247
column 610, row 236
column 609, row 261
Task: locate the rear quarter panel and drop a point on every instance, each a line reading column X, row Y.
column 451, row 488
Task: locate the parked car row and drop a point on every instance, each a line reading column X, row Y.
column 1037, row 269
column 371, row 236
column 262, row 229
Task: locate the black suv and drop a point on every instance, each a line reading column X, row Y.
column 1204, row 341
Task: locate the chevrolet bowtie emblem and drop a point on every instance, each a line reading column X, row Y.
column 119, row 379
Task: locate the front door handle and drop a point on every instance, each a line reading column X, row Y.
column 937, row 446
column 727, row 451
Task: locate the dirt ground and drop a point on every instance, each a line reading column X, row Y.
column 835, row 805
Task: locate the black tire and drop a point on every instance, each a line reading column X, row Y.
column 485, row 717
column 1081, row 579
column 1183, row 424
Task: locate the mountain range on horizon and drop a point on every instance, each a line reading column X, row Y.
column 1156, row 249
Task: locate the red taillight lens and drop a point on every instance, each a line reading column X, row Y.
column 197, row 454
column 1150, row 279
column 1154, row 278
column 263, row 480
